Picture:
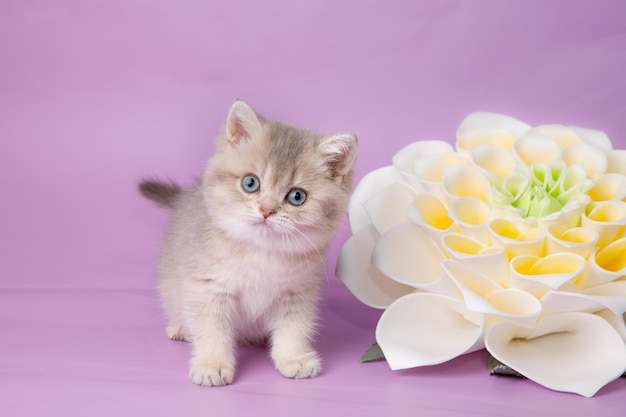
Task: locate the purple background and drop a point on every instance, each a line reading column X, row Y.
column 95, row 95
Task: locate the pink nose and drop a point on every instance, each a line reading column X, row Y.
column 267, row 212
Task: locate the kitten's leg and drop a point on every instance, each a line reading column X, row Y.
column 171, row 298
column 293, row 326
column 209, row 318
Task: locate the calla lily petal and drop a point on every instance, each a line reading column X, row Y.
column 616, row 161
column 591, row 158
column 431, row 214
column 427, row 329
column 557, row 302
column 606, row 265
column 560, row 134
column 408, row 255
column 608, row 187
column 538, row 275
column 466, row 181
column 368, row 284
column 595, row 138
column 485, row 296
column 482, row 128
column 490, row 261
column 369, row 185
column 531, row 149
column 617, row 321
column 608, row 219
column 579, row 240
column 429, row 170
column 384, row 215
column 494, row 161
column 612, row 295
column 515, row 241
column 473, row 216
column 545, row 353
column 404, row 160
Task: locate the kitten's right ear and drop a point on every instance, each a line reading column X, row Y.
column 339, row 152
column 242, row 123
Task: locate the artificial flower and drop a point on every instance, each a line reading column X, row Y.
column 513, row 241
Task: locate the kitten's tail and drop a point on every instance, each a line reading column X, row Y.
column 165, row 194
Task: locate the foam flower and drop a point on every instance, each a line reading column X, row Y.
column 513, row 241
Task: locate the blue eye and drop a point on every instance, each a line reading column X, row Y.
column 296, row 197
column 250, row 183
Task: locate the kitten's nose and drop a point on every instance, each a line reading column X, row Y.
column 267, row 212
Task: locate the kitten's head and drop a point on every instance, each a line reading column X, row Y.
column 276, row 186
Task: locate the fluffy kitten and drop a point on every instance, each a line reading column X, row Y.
column 243, row 257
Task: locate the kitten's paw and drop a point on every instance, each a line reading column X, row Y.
column 304, row 366
column 176, row 332
column 211, row 375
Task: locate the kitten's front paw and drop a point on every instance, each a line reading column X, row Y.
column 303, row 366
column 211, row 375
column 176, row 332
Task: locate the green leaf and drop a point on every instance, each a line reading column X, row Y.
column 498, row 368
column 374, row 353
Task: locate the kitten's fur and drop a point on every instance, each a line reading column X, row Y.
column 246, row 267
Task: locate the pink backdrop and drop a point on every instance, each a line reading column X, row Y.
column 95, row 95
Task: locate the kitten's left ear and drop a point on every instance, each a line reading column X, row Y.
column 339, row 152
column 242, row 123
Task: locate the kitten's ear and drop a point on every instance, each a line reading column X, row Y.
column 242, row 123
column 339, row 152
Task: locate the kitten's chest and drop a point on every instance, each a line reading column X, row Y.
column 259, row 280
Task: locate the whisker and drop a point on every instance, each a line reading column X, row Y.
column 322, row 259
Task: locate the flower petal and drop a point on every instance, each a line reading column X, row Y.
column 544, row 353
column 477, row 120
column 606, row 265
column 482, row 295
column 495, row 162
column 607, row 187
column 538, row 275
column 612, row 295
column 369, row 186
column 368, row 284
column 466, row 181
column 490, row 261
column 515, row 241
column 595, row 138
column 404, row 160
column 557, row 302
column 384, row 215
column 608, row 219
column 408, row 255
column 579, row 240
column 430, row 213
column 617, row 321
column 562, row 135
column 473, row 216
column 616, row 161
column 532, row 148
column 431, row 168
column 591, row 158
column 481, row 128
column 427, row 329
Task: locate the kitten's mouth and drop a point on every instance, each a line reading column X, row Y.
column 264, row 224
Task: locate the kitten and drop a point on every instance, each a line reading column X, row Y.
column 243, row 258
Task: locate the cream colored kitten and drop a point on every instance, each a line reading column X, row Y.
column 243, row 258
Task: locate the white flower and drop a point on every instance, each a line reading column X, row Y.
column 515, row 241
